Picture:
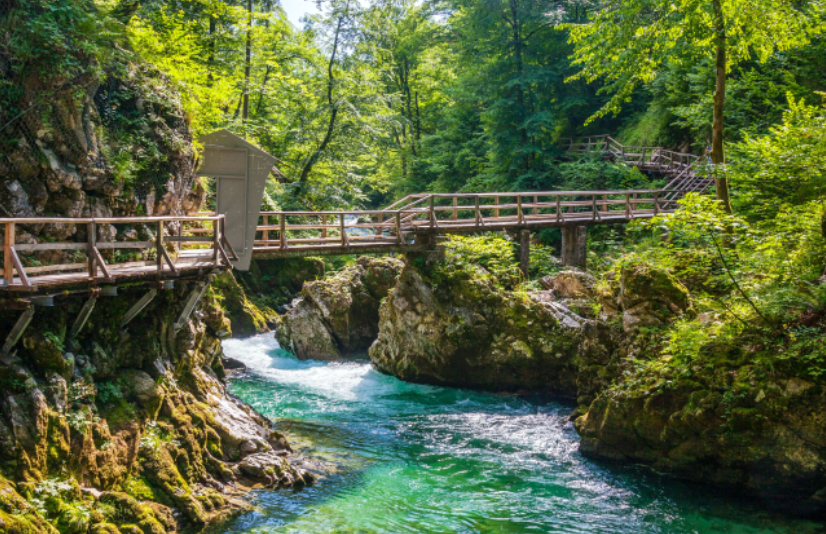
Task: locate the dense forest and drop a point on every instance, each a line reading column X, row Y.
column 373, row 100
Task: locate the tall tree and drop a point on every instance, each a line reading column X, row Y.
column 627, row 42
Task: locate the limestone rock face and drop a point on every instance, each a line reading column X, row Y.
column 340, row 314
column 467, row 332
column 138, row 414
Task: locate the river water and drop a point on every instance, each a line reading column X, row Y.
column 405, row 458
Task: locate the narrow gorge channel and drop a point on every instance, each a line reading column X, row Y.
column 402, row 457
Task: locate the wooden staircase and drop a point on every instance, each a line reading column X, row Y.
column 687, row 173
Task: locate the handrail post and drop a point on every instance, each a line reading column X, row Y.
column 477, row 215
column 432, row 212
column 283, row 232
column 380, row 229
column 535, row 205
column 399, row 227
column 159, row 244
column 323, row 227
column 91, row 239
column 656, row 203
column 344, row 241
column 496, row 210
column 8, row 264
column 594, row 207
column 627, row 205
column 519, row 217
column 455, row 209
column 266, row 235
column 558, row 208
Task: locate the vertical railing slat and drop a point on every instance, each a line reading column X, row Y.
column 8, row 243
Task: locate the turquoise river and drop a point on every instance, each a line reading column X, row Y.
column 406, row 458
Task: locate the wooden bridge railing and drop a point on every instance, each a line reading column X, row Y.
column 179, row 243
column 451, row 213
column 651, row 158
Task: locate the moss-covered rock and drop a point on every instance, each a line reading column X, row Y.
column 458, row 328
column 339, row 314
column 246, row 318
column 144, row 412
column 651, row 297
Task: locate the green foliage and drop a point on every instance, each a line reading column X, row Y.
column 783, row 169
column 683, row 33
column 491, row 252
column 108, row 392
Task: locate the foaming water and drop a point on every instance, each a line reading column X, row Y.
column 424, row 459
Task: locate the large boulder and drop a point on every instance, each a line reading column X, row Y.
column 339, row 314
column 766, row 439
column 459, row 328
column 650, row 297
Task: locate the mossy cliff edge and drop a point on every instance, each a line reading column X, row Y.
column 120, row 430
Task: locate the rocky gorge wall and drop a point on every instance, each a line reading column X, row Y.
column 124, row 429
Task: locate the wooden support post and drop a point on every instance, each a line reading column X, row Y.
column 92, row 230
column 399, row 237
column 191, row 301
column 83, row 316
column 574, row 246
column 519, row 217
column 17, row 332
column 138, row 307
column 627, row 205
column 656, row 203
column 535, row 207
column 102, row 264
column 323, row 227
column 558, row 208
column 345, row 242
column 525, row 253
column 594, row 211
column 159, row 243
column 266, row 234
column 477, row 215
column 604, row 207
column 455, row 215
column 8, row 264
column 496, row 210
column 380, row 229
column 283, row 231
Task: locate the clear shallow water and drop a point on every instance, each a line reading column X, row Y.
column 422, row 459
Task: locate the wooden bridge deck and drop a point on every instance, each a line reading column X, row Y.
column 192, row 247
column 183, row 247
column 394, row 229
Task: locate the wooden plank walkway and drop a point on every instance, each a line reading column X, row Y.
column 687, row 173
column 194, row 246
column 183, row 247
column 396, row 228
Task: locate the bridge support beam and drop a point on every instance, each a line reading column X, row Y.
column 525, row 252
column 574, row 246
column 15, row 334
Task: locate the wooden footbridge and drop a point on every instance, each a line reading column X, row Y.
column 157, row 251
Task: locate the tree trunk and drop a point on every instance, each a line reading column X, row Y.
column 305, row 172
column 247, row 66
column 211, row 60
column 717, row 155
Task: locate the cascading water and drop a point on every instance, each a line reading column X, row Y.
column 422, row 459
